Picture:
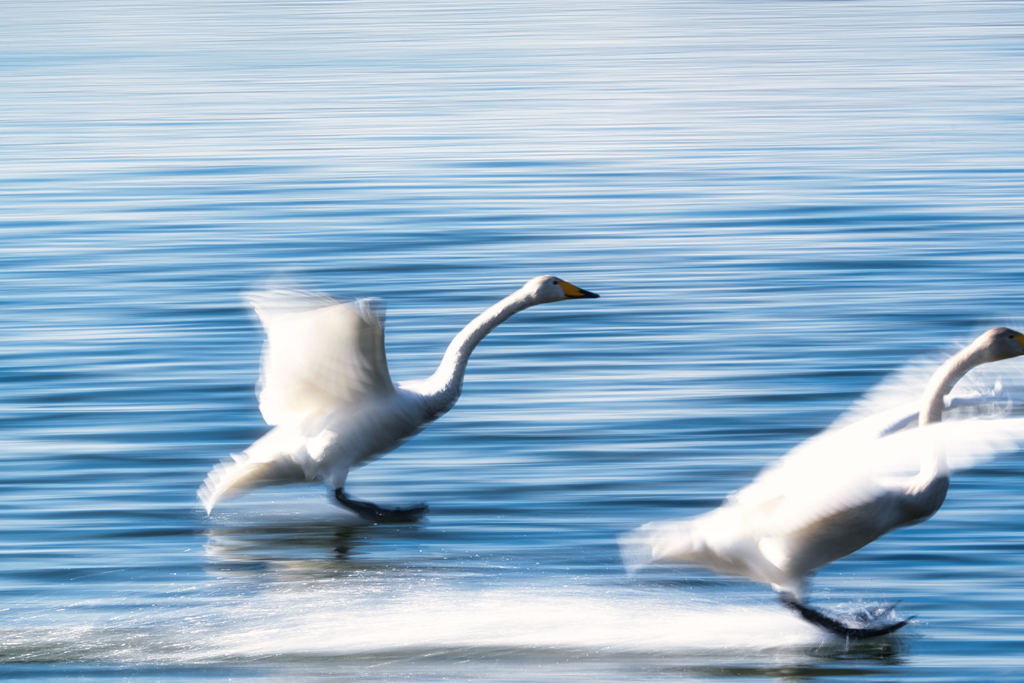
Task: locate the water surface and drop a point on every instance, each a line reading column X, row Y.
column 780, row 204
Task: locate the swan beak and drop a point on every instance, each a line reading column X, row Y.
column 574, row 292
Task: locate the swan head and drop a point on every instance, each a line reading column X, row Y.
column 1001, row 343
column 547, row 288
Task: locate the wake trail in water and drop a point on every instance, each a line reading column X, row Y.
column 344, row 621
column 499, row 618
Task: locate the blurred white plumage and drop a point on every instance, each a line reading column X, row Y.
column 326, row 388
column 846, row 487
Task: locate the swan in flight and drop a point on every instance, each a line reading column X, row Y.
column 326, row 389
column 840, row 491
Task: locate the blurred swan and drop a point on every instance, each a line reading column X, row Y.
column 325, row 386
column 840, row 491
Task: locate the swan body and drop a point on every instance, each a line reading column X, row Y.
column 326, row 389
column 841, row 490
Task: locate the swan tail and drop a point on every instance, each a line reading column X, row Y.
column 239, row 474
column 660, row 543
column 720, row 540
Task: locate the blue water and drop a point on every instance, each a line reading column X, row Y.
column 780, row 203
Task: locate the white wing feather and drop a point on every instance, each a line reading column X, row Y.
column 859, row 458
column 868, row 451
column 321, row 355
column 854, row 474
column 323, row 358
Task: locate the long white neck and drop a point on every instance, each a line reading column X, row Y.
column 445, row 385
column 945, row 377
column 934, row 463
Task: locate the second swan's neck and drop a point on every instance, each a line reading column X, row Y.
column 445, row 385
column 927, row 490
column 934, row 472
column 943, row 380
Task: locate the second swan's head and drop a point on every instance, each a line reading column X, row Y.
column 548, row 288
column 1001, row 343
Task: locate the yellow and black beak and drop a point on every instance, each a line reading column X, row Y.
column 574, row 292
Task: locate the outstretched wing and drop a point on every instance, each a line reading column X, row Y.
column 321, row 355
column 852, row 462
column 991, row 390
column 789, row 498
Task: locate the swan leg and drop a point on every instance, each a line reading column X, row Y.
column 837, row 627
column 375, row 513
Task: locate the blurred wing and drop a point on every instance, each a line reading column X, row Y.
column 321, row 355
column 801, row 492
column 854, row 461
column 965, row 443
column 1002, row 383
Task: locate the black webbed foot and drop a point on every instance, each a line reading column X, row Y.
column 381, row 515
column 858, row 626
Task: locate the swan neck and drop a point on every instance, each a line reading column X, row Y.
column 934, row 474
column 943, row 380
column 446, row 382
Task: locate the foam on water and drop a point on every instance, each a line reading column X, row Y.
column 436, row 618
column 427, row 616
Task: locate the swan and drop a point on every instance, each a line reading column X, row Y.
column 326, row 389
column 840, row 491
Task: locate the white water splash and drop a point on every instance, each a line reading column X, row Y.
column 387, row 619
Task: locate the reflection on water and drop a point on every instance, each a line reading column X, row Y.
column 261, row 553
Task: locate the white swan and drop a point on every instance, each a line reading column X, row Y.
column 325, row 385
column 839, row 491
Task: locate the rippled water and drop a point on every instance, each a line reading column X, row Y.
column 780, row 203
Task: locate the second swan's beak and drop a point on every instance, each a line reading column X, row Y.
column 574, row 292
